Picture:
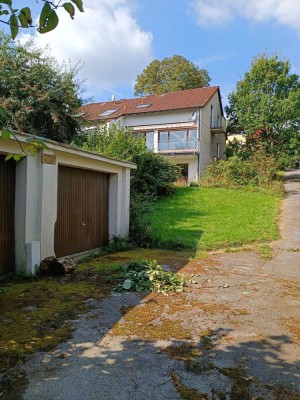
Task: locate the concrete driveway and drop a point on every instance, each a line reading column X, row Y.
column 233, row 335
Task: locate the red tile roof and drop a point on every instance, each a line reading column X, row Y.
column 192, row 98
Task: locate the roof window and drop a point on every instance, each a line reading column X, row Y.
column 143, row 106
column 108, row 112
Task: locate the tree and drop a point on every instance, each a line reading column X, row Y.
column 170, row 75
column 39, row 95
column 48, row 19
column 265, row 106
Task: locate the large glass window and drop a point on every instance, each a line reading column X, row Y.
column 163, row 143
column 148, row 136
column 150, row 140
column 192, row 139
column 177, row 140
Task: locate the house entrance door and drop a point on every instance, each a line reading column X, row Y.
column 184, row 171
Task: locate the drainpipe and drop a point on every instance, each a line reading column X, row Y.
column 199, row 123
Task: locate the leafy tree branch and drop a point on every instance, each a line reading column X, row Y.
column 17, row 18
column 34, row 143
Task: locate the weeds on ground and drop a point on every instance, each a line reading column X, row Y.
column 34, row 310
column 116, row 244
column 265, row 251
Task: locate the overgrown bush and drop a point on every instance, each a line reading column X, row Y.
column 154, row 176
column 146, row 276
column 141, row 213
column 258, row 170
column 286, row 161
column 116, row 141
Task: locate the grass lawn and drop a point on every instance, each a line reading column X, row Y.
column 210, row 218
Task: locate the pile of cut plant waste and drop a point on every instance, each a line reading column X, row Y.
column 146, row 276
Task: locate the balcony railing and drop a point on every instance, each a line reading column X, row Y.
column 177, row 144
column 218, row 123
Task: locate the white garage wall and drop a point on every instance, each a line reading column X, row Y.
column 36, row 194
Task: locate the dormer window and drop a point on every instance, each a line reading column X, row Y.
column 108, row 112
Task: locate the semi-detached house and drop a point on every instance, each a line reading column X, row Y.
column 187, row 126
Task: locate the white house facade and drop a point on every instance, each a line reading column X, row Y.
column 187, row 127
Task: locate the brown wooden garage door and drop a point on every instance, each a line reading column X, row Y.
column 7, row 215
column 82, row 215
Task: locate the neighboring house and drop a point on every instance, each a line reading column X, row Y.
column 60, row 201
column 186, row 126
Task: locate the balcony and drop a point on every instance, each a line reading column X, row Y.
column 218, row 125
column 177, row 145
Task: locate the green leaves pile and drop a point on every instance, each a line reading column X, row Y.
column 146, row 276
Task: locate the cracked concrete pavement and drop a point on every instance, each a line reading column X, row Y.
column 243, row 317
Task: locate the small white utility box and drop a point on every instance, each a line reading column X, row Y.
column 33, row 256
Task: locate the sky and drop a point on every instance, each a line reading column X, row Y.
column 114, row 40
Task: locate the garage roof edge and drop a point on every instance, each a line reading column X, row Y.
column 51, row 144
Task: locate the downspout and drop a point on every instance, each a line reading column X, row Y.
column 199, row 123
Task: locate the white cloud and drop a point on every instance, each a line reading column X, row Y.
column 106, row 38
column 219, row 12
column 215, row 58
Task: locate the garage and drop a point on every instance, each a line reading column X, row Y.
column 7, row 215
column 82, row 210
column 59, row 201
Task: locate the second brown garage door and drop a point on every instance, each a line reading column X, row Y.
column 7, row 215
column 82, row 211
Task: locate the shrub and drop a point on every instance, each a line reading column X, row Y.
column 141, row 215
column 117, row 142
column 258, row 170
column 285, row 161
column 154, row 176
